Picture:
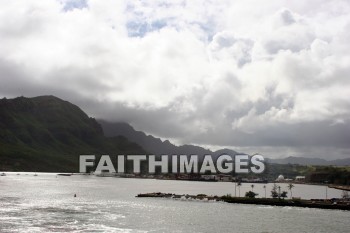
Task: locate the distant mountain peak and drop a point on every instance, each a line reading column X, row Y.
column 310, row 161
column 46, row 133
column 155, row 145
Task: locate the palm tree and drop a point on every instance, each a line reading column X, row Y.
column 252, row 187
column 290, row 187
column 235, row 188
column 239, row 189
column 279, row 192
column 265, row 190
column 274, row 193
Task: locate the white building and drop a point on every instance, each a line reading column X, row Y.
column 280, row 178
column 300, row 178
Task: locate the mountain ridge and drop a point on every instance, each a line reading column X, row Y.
column 311, row 161
column 46, row 133
column 157, row 146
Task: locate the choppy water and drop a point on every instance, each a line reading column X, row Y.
column 45, row 203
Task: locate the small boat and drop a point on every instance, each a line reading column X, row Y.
column 35, row 174
column 3, row 174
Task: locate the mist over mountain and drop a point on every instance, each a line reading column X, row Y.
column 310, row 161
column 156, row 145
column 48, row 134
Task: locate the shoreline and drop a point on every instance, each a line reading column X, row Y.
column 334, row 186
column 340, row 187
column 313, row 203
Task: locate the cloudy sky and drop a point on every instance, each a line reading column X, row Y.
column 271, row 77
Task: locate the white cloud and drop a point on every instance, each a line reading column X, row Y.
column 224, row 68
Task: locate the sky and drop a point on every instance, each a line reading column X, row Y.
column 269, row 77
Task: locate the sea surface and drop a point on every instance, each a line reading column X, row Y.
column 46, row 203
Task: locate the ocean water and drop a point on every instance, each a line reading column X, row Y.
column 46, row 203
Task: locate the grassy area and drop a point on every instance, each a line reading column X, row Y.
column 45, row 134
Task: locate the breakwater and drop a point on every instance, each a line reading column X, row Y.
column 338, row 204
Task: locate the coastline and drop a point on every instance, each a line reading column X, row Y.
column 341, row 187
column 313, row 203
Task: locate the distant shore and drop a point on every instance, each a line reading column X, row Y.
column 341, row 187
column 337, row 204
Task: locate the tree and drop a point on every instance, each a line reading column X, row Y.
column 274, row 193
column 235, row 189
column 279, row 192
column 252, row 187
column 239, row 189
column 251, row 194
column 283, row 194
column 265, row 190
column 290, row 187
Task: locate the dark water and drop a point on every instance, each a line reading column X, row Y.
column 45, row 203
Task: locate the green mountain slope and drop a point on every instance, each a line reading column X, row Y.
column 48, row 134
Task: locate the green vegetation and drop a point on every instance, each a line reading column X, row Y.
column 290, row 187
column 313, row 174
column 251, row 194
column 330, row 175
column 323, row 204
column 277, row 193
column 47, row 134
column 288, row 170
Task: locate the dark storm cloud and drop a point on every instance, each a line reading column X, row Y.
column 275, row 82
